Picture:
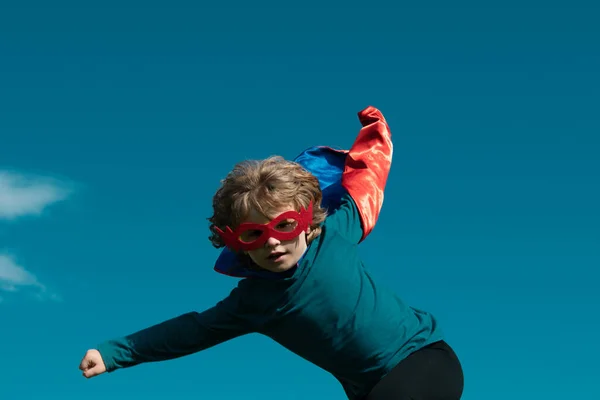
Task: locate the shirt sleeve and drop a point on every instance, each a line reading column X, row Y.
column 177, row 337
column 346, row 220
column 364, row 177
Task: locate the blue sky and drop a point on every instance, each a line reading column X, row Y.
column 118, row 119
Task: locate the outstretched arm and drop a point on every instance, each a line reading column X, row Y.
column 365, row 175
column 177, row 337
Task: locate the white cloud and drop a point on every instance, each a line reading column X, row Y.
column 14, row 278
column 13, row 275
column 22, row 195
column 25, row 195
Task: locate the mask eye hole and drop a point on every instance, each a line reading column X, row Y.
column 250, row 235
column 287, row 225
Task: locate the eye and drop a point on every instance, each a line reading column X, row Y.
column 250, row 235
column 286, row 226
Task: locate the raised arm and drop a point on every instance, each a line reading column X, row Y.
column 177, row 337
column 365, row 175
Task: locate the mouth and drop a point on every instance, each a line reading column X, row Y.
column 276, row 256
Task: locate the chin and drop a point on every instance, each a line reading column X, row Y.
column 278, row 268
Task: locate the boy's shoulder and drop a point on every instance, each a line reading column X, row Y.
column 344, row 219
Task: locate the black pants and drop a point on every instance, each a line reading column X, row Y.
column 431, row 373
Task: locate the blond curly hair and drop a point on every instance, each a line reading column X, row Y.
column 267, row 186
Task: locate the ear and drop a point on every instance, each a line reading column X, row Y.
column 307, row 233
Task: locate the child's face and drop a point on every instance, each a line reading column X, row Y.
column 277, row 255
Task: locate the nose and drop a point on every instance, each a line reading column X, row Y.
column 272, row 242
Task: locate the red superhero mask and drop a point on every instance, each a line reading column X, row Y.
column 251, row 236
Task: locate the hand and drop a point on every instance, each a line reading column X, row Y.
column 92, row 364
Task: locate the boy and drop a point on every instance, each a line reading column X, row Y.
column 304, row 284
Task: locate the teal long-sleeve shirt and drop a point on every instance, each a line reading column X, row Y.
column 330, row 311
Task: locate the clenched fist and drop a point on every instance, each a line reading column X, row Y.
column 92, row 364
